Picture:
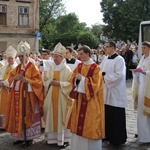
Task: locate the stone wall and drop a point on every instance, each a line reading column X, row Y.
column 12, row 34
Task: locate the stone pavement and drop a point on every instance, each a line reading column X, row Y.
column 131, row 144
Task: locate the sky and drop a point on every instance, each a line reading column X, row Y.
column 88, row 11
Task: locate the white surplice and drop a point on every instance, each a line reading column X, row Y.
column 143, row 121
column 115, row 82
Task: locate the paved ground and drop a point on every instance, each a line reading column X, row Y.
column 131, row 144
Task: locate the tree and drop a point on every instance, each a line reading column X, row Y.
column 50, row 9
column 88, row 38
column 49, row 35
column 64, row 29
column 97, row 30
column 122, row 17
column 56, row 26
column 69, row 23
column 67, row 38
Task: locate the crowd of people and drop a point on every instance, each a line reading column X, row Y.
column 77, row 96
column 129, row 51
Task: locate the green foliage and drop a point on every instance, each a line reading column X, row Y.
column 58, row 27
column 97, row 30
column 50, row 9
column 122, row 17
column 69, row 23
column 88, row 38
column 67, row 38
column 49, row 35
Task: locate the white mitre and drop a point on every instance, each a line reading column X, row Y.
column 59, row 49
column 23, row 48
column 10, row 52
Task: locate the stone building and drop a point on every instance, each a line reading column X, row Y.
column 19, row 21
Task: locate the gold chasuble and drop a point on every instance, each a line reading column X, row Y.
column 1, row 65
column 57, row 105
column 55, row 96
column 147, row 95
column 5, row 92
column 87, row 119
column 14, row 120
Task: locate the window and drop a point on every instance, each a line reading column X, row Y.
column 145, row 32
column 24, row 1
column 2, row 14
column 23, row 16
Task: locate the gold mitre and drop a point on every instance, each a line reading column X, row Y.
column 23, row 48
column 10, row 52
column 59, row 49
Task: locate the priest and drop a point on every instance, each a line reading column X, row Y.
column 87, row 118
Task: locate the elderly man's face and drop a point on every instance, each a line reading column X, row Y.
column 57, row 59
column 10, row 60
column 21, row 58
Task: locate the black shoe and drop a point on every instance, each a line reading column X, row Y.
column 65, row 145
column 27, row 144
column 136, row 135
column 3, row 130
column 42, row 130
column 105, row 139
column 17, row 142
column 116, row 145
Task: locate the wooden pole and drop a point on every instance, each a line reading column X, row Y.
column 24, row 103
column 24, row 113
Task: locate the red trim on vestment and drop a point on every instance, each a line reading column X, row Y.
column 17, row 94
column 84, row 102
column 90, row 74
column 79, row 67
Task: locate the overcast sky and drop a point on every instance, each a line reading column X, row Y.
column 88, row 11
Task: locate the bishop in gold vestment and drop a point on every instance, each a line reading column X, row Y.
column 57, row 104
column 4, row 85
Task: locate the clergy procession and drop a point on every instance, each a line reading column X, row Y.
column 77, row 98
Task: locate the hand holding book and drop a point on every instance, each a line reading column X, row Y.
column 140, row 70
